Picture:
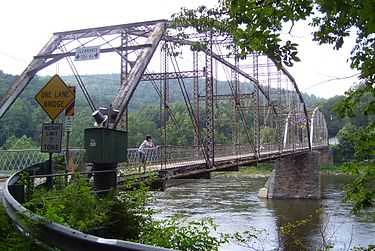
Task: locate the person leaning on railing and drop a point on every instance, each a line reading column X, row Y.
column 143, row 149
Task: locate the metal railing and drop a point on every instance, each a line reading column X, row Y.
column 157, row 158
column 15, row 160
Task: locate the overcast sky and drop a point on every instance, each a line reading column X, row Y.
column 27, row 25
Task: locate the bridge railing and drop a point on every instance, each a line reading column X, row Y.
column 156, row 158
column 14, row 160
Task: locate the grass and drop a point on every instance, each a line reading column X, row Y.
column 333, row 169
column 261, row 169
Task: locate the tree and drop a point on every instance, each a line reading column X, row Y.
column 344, row 151
column 23, row 142
column 16, row 122
column 268, row 135
column 334, row 122
column 255, row 25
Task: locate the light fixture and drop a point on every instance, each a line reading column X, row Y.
column 100, row 118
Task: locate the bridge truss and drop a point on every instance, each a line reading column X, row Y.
column 268, row 114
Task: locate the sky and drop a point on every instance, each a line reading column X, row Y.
column 27, row 25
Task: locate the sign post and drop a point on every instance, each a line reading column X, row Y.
column 54, row 97
column 69, row 115
column 51, row 143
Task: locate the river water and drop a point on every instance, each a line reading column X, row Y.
column 230, row 199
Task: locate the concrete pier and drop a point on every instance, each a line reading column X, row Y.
column 294, row 177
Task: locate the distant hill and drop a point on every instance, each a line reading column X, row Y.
column 26, row 117
column 103, row 87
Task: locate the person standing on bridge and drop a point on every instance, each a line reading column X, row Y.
column 143, row 149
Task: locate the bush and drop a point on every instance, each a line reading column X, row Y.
column 10, row 238
column 123, row 215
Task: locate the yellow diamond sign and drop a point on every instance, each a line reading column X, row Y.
column 54, row 97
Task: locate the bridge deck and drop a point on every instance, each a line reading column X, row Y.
column 188, row 167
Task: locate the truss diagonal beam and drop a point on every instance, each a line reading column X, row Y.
column 302, row 101
column 122, row 99
column 27, row 75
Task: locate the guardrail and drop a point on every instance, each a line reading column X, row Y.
column 55, row 235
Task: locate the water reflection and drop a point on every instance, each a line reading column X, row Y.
column 231, row 200
column 304, row 215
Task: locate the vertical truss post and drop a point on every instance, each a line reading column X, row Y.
column 269, row 117
column 256, row 113
column 235, row 108
column 279, row 127
column 124, row 76
column 210, row 143
column 164, row 103
column 197, row 139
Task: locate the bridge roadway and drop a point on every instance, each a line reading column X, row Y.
column 185, row 169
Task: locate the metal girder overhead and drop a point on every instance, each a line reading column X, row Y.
column 125, row 92
column 105, row 50
column 109, row 30
column 172, row 75
column 27, row 75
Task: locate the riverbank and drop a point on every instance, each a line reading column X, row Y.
column 332, row 169
column 265, row 170
column 259, row 171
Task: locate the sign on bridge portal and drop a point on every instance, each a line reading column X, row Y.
column 54, row 97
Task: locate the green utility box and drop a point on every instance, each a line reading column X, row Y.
column 105, row 145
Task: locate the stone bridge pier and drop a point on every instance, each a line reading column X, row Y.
column 296, row 176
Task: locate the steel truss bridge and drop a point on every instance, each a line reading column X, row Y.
column 269, row 118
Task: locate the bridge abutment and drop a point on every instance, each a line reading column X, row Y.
column 294, row 177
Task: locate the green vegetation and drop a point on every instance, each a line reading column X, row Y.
column 123, row 215
column 261, row 169
column 10, row 238
column 332, row 169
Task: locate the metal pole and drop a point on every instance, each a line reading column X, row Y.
column 49, row 180
column 67, row 156
column 210, row 140
column 197, row 140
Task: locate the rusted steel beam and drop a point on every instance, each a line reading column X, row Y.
column 107, row 30
column 27, row 75
column 105, row 50
column 291, row 78
column 172, row 75
column 125, row 93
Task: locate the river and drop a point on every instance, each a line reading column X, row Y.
column 230, row 199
